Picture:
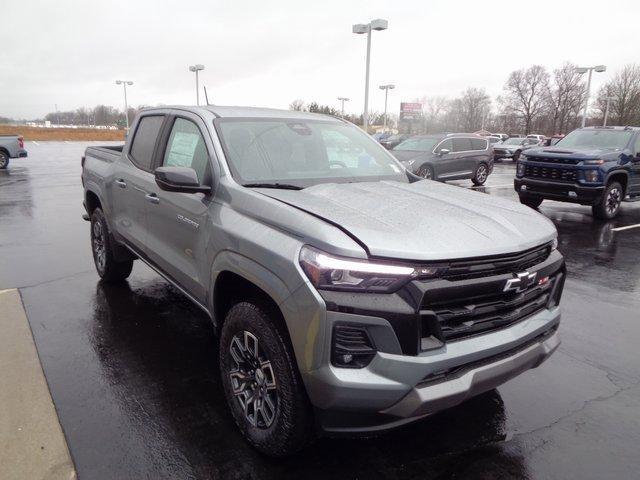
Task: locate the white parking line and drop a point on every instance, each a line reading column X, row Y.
column 34, row 142
column 628, row 227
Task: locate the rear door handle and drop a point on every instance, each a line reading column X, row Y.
column 121, row 183
column 152, row 198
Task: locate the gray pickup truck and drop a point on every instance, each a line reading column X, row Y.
column 349, row 295
column 11, row 146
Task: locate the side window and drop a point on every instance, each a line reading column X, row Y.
column 461, row 144
column 636, row 150
column 145, row 140
column 479, row 144
column 186, row 148
column 447, row 145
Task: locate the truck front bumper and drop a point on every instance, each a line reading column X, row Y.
column 397, row 389
column 562, row 191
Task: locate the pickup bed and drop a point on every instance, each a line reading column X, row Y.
column 349, row 295
column 11, row 146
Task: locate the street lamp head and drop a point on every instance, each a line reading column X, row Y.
column 118, row 82
column 199, row 67
column 196, row 68
column 379, row 24
column 600, row 68
column 360, row 28
column 129, row 82
column 582, row 70
column 192, row 68
column 344, row 99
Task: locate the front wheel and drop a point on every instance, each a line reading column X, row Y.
column 425, row 171
column 529, row 201
column 261, row 382
column 482, row 173
column 4, row 160
column 609, row 205
column 109, row 269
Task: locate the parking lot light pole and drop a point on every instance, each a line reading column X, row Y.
column 196, row 69
column 361, row 28
column 606, row 110
column 124, row 84
column 343, row 99
column 386, row 89
column 582, row 71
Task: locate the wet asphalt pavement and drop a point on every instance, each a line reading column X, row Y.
column 132, row 368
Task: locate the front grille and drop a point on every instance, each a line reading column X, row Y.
column 562, row 161
column 551, row 173
column 497, row 265
column 482, row 314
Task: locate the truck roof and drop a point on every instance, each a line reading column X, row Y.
column 598, row 127
column 250, row 112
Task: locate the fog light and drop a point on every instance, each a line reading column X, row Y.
column 352, row 346
column 523, row 188
column 520, row 169
column 573, row 195
column 591, row 176
column 347, row 358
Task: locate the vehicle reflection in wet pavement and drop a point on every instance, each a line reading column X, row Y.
column 133, row 373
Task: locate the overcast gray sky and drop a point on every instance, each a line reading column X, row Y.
column 268, row 53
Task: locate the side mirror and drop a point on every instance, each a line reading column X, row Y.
column 443, row 151
column 179, row 179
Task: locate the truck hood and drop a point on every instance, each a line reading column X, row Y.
column 574, row 153
column 424, row 220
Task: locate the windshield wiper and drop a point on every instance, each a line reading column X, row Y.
column 283, row 186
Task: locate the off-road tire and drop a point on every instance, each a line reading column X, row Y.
column 292, row 425
column 102, row 248
column 531, row 201
column 4, row 160
column 609, row 204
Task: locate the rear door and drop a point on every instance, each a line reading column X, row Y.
column 178, row 230
column 133, row 180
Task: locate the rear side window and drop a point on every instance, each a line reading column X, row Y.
column 461, row 144
column 145, row 140
column 479, row 144
column 636, row 150
column 186, row 148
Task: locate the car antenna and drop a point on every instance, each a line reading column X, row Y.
column 206, row 97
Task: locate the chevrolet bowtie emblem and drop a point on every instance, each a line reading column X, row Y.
column 522, row 281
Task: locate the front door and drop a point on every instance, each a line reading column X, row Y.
column 634, row 179
column 178, row 232
column 444, row 163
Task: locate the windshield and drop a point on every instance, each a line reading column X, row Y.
column 418, row 144
column 303, row 153
column 609, row 139
column 513, row 141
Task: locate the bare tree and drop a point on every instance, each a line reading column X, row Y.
column 474, row 105
column 434, row 109
column 297, row 105
column 624, row 89
column 526, row 92
column 566, row 97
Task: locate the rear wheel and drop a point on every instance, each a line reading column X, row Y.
column 4, row 160
column 109, row 269
column 482, row 173
column 609, row 205
column 425, row 171
column 261, row 382
column 529, row 201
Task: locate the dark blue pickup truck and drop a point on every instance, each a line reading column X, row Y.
column 597, row 166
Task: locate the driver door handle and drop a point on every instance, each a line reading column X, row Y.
column 152, row 198
column 121, row 183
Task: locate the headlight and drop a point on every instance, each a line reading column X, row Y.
column 591, row 175
column 523, row 156
column 554, row 244
column 340, row 273
column 520, row 169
